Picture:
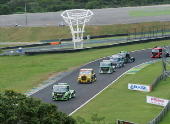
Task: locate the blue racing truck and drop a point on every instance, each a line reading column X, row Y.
column 117, row 60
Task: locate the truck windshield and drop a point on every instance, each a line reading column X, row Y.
column 85, row 72
column 156, row 50
column 59, row 88
column 115, row 59
column 104, row 64
column 122, row 54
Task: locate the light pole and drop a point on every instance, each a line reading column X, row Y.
column 26, row 13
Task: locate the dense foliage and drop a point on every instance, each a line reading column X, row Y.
column 33, row 6
column 16, row 108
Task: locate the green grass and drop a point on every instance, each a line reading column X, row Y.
column 24, row 72
column 35, row 34
column 149, row 12
column 117, row 102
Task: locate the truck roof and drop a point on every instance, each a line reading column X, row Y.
column 63, row 84
column 157, row 48
column 86, row 69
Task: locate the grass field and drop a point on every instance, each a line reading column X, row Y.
column 35, row 34
column 150, row 12
column 121, row 103
column 24, row 72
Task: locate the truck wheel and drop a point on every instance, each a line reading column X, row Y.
column 73, row 95
column 133, row 59
column 70, row 96
column 123, row 64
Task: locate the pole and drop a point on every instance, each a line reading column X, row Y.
column 26, row 13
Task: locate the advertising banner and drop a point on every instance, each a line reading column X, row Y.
column 156, row 101
column 139, row 87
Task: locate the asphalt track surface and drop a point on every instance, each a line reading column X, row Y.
column 100, row 17
column 84, row 92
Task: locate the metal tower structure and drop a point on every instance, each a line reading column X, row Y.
column 76, row 19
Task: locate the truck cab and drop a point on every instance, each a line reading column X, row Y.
column 157, row 52
column 61, row 91
column 126, row 56
column 106, row 66
column 86, row 75
column 117, row 60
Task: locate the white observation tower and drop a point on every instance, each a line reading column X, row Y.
column 76, row 20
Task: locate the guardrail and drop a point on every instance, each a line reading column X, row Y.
column 96, row 47
column 157, row 119
column 157, row 80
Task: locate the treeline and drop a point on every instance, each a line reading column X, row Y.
column 16, row 108
column 34, row 6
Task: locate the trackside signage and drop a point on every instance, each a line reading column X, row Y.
column 139, row 87
column 156, row 101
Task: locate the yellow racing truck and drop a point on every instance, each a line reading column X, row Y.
column 86, row 75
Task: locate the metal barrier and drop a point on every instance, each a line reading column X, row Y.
column 157, row 119
column 49, row 41
column 157, row 80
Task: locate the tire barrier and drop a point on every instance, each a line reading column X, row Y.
column 55, row 43
column 24, row 46
column 100, row 36
column 49, row 41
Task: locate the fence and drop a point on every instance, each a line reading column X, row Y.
column 157, row 119
column 157, row 80
column 139, row 33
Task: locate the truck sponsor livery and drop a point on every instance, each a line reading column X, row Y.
column 61, row 91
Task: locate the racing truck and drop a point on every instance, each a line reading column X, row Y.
column 106, row 66
column 126, row 56
column 157, row 52
column 86, row 75
column 117, row 60
column 61, row 91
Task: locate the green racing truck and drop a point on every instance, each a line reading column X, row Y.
column 61, row 91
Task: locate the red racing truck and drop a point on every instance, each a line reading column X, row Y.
column 157, row 52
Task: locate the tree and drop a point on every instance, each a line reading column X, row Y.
column 93, row 5
column 16, row 108
column 4, row 9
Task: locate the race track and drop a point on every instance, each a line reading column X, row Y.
column 100, row 17
column 86, row 91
